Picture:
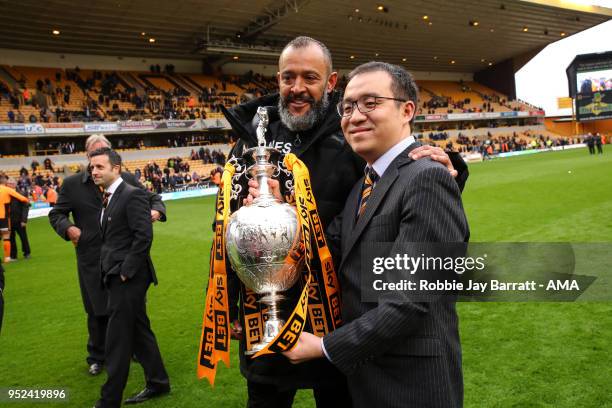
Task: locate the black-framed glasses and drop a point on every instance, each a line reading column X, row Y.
column 365, row 104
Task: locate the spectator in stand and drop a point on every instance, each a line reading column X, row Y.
column 50, row 195
column 4, row 91
column 38, row 181
column 33, row 118
column 48, row 87
column 44, row 115
column 11, row 116
column 172, row 181
column 48, row 164
column 27, row 97
column 165, row 180
column 20, row 117
column 215, row 175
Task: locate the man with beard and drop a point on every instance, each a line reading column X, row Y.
column 80, row 197
column 303, row 121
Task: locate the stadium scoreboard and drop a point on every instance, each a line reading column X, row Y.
column 590, row 84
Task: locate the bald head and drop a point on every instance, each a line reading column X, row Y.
column 315, row 48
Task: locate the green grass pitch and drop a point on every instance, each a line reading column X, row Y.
column 514, row 354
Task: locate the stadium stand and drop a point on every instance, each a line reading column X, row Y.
column 88, row 95
column 112, row 95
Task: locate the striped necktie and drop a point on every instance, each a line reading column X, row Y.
column 366, row 190
column 105, row 198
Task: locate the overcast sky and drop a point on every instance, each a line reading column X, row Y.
column 542, row 80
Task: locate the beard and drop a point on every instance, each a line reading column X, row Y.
column 301, row 123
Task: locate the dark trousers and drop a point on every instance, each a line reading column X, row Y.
column 17, row 229
column 129, row 332
column 96, row 327
column 591, row 149
column 599, row 149
column 270, row 396
column 96, row 324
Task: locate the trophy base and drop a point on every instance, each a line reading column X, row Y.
column 271, row 329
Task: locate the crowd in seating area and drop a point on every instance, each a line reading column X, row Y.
column 489, row 145
column 178, row 173
column 56, row 95
column 53, row 146
column 94, row 95
column 41, row 182
column 38, row 183
column 447, row 97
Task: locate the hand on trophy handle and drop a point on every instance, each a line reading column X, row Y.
column 274, row 186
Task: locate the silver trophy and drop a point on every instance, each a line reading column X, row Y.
column 263, row 239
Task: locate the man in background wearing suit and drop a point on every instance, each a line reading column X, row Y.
column 19, row 218
column 396, row 352
column 80, row 197
column 127, row 271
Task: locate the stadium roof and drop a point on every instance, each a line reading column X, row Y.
column 423, row 35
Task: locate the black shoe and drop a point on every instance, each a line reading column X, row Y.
column 147, row 394
column 95, row 369
column 28, row 256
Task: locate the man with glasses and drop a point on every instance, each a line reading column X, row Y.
column 397, row 351
column 80, row 197
column 303, row 121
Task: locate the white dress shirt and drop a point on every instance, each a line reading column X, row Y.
column 111, row 189
column 381, row 164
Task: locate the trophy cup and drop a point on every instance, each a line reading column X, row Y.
column 263, row 238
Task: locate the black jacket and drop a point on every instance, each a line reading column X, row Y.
column 80, row 197
column 334, row 169
column 19, row 211
column 127, row 234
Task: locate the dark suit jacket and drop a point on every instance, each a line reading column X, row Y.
column 397, row 352
column 127, row 235
column 80, row 197
column 19, row 212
